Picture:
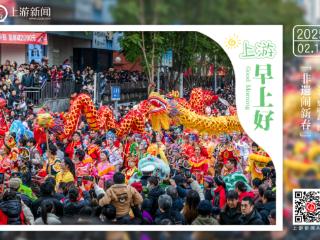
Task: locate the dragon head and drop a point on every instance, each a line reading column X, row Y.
column 158, row 112
column 157, row 103
column 258, row 161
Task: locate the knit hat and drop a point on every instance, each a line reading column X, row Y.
column 14, row 183
column 208, row 179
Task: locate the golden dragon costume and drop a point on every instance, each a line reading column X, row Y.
column 161, row 111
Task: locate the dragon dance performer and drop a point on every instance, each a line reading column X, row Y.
column 35, row 156
column 4, row 126
column 157, row 148
column 126, row 149
column 3, row 130
column 93, row 151
column 142, row 153
column 53, row 164
column 209, row 145
column 84, row 166
column 241, row 143
column 187, row 145
column 131, row 168
column 134, row 146
column 224, row 150
column 5, row 162
column 67, row 173
column 199, row 165
column 114, row 154
column 105, row 170
column 12, row 151
column 74, row 144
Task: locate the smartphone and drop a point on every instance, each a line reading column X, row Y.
column 79, row 181
column 88, row 178
column 1, row 178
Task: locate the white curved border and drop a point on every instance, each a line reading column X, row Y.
column 271, row 141
column 6, row 11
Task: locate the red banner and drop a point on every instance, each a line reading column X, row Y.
column 24, row 38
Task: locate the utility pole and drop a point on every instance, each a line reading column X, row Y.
column 158, row 77
column 181, row 85
column 95, row 88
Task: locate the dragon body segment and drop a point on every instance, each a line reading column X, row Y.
column 161, row 111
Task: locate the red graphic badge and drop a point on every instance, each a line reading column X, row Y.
column 310, row 207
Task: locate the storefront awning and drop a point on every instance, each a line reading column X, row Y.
column 24, row 38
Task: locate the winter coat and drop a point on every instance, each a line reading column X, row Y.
column 11, row 213
column 154, row 195
column 70, row 209
column 200, row 220
column 266, row 209
column 36, row 206
column 182, row 192
column 176, row 217
column 51, row 220
column 230, row 216
column 177, row 204
column 146, row 218
column 25, row 199
column 220, row 197
column 208, row 195
column 27, row 80
column 122, row 197
column 254, row 218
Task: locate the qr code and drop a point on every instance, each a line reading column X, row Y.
column 306, row 203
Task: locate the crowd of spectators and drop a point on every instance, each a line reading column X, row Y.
column 47, row 190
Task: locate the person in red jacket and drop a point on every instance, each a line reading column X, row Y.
column 220, row 198
column 241, row 189
column 75, row 144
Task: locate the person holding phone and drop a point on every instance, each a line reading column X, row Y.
column 67, row 173
column 84, row 167
column 73, row 203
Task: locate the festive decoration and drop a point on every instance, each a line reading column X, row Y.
column 20, row 130
column 161, row 169
column 45, row 120
column 200, row 98
column 160, row 111
column 231, row 180
column 257, row 161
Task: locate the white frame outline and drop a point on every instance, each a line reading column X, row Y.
column 204, row 29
